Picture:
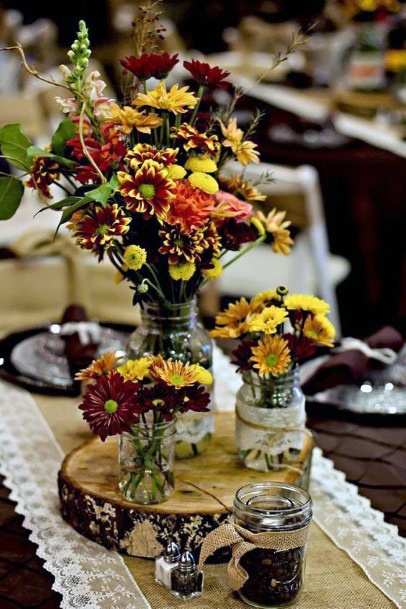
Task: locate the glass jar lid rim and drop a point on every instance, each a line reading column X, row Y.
column 289, row 511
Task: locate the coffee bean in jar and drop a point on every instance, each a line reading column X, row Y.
column 275, row 574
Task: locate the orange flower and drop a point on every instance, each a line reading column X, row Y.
column 99, row 367
column 190, row 208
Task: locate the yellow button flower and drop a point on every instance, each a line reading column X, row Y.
column 135, row 257
column 201, row 180
column 201, row 163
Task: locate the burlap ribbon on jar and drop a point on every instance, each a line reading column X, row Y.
column 242, row 541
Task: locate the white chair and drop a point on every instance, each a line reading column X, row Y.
column 310, row 268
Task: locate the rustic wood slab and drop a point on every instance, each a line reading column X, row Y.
column 92, row 503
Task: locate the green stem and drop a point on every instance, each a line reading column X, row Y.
column 195, row 111
column 261, row 239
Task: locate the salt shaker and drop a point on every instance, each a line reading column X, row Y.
column 187, row 581
column 165, row 564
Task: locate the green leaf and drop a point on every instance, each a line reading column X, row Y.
column 114, row 182
column 100, row 194
column 11, row 192
column 67, row 202
column 14, row 145
column 69, row 211
column 34, row 151
column 64, row 132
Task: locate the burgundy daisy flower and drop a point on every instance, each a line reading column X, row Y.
column 242, row 355
column 300, row 347
column 205, row 75
column 233, row 234
column 194, row 398
column 160, row 398
column 111, row 405
column 150, row 65
column 96, row 228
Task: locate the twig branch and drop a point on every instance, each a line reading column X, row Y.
column 31, row 70
column 85, row 150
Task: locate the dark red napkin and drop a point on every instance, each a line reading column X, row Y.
column 79, row 356
column 350, row 367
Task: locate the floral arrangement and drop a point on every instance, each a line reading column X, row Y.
column 139, row 399
column 275, row 331
column 376, row 9
column 142, row 181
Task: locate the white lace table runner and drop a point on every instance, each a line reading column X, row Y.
column 91, row 577
column 87, row 575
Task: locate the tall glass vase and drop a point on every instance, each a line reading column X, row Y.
column 270, row 426
column 175, row 332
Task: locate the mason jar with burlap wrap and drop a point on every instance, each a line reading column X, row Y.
column 271, row 431
column 268, row 539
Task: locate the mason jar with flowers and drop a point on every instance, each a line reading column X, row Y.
column 275, row 332
column 141, row 182
column 139, row 401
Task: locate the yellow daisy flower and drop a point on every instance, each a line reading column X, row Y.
column 268, row 320
column 277, row 226
column 258, row 226
column 237, row 185
column 135, row 257
column 232, row 134
column 201, row 163
column 176, row 100
column 99, row 367
column 135, row 369
column 128, row 118
column 234, row 321
column 260, row 299
column 175, row 373
column 205, row 182
column 319, row 330
column 215, row 272
column 204, row 376
column 282, row 243
column 307, row 302
column 176, row 172
column 246, row 153
column 271, row 356
column 182, row 272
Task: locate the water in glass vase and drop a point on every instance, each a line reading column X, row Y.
column 146, row 458
column 175, row 332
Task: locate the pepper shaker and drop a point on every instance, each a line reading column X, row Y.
column 187, row 581
column 165, row 564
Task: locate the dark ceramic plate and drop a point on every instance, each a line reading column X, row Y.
column 26, row 374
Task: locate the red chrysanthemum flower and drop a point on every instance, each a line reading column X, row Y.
column 150, row 65
column 188, row 247
column 98, row 227
column 300, row 347
column 190, row 208
column 111, row 405
column 104, row 155
column 234, row 234
column 242, row 355
column 145, row 152
column 44, row 172
column 194, row 398
column 181, row 247
column 148, row 191
column 205, row 75
column 160, row 398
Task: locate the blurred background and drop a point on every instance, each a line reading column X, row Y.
column 333, row 132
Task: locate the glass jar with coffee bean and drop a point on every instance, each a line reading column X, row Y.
column 275, row 568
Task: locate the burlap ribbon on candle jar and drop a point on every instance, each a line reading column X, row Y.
column 242, row 541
